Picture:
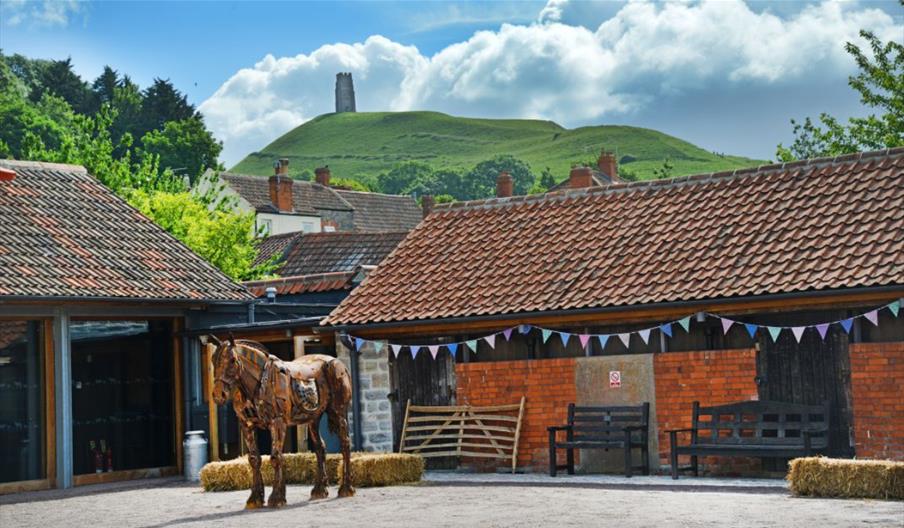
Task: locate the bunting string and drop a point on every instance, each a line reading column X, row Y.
column 667, row 329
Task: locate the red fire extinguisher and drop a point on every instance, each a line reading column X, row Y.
column 98, row 457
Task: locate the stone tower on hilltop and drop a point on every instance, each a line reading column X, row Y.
column 345, row 93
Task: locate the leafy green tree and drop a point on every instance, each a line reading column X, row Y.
column 186, row 147
column 404, row 176
column 23, row 123
column 665, row 171
column 59, row 79
column 348, row 183
column 162, row 102
column 105, row 86
column 880, row 84
column 480, row 182
column 547, row 179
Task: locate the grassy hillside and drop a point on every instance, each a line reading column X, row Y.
column 358, row 145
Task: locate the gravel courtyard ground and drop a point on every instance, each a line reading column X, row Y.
column 440, row 504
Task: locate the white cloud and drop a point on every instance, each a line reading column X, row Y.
column 644, row 53
column 46, row 13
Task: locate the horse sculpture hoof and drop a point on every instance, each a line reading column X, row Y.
column 317, row 494
column 346, row 491
column 254, row 505
column 276, row 503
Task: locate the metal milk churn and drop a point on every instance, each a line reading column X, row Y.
column 194, row 449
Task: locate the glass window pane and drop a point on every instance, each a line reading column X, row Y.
column 21, row 400
column 122, row 395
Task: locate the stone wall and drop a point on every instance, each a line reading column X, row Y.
column 877, row 387
column 376, row 417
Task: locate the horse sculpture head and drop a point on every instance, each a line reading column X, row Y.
column 226, row 369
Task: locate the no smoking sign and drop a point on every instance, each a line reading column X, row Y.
column 614, row 379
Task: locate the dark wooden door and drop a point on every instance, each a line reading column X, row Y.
column 810, row 372
column 425, row 381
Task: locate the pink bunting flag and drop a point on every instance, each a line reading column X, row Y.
column 434, row 349
column 872, row 317
column 645, row 335
column 584, row 338
column 823, row 329
column 491, row 340
column 726, row 324
column 798, row 332
column 626, row 339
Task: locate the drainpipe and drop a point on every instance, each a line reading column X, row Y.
column 62, row 365
column 356, row 398
column 251, row 312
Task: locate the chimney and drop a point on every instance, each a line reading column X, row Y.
column 608, row 165
column 281, row 186
column 504, row 185
column 322, row 175
column 580, row 177
column 7, row 174
column 427, row 203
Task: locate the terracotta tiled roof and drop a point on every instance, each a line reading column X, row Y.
column 307, row 197
column 812, row 225
column 275, row 245
column 330, row 252
column 320, row 282
column 63, row 234
column 382, row 212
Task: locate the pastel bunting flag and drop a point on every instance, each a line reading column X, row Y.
column 751, row 329
column 895, row 307
column 472, row 344
column 453, row 348
column 666, row 329
column 603, row 339
column 546, row 334
column 524, row 329
column 685, row 323
column 872, row 317
column 774, row 332
column 507, row 333
column 564, row 337
column 823, row 329
column 396, row 349
column 626, row 339
column 798, row 332
column 378, row 346
column 491, row 340
column 584, row 338
column 434, row 350
column 645, row 335
column 414, row 350
column 726, row 324
column 359, row 343
column 847, row 324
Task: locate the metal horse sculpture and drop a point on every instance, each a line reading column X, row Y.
column 268, row 393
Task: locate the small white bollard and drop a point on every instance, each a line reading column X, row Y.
column 194, row 449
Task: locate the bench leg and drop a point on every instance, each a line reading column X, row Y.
column 695, row 467
column 673, row 456
column 645, row 452
column 628, row 454
column 569, row 459
column 553, row 465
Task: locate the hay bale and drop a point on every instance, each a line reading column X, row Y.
column 864, row 479
column 368, row 470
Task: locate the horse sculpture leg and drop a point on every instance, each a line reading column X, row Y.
column 256, row 500
column 339, row 425
column 278, row 495
column 320, row 479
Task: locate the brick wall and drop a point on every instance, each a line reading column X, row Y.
column 547, row 384
column 712, row 378
column 877, row 387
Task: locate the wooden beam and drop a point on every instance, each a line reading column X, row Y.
column 7, row 488
column 131, row 474
column 212, row 424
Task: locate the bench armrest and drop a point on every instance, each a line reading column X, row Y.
column 635, row 427
column 554, row 428
column 688, row 430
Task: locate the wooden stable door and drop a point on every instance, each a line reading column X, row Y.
column 810, row 372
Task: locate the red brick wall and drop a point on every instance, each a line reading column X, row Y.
column 877, row 387
column 712, row 378
column 547, row 384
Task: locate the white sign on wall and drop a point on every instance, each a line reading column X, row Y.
column 614, row 379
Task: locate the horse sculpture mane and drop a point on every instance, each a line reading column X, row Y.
column 269, row 393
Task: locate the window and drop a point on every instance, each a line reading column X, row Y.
column 22, row 403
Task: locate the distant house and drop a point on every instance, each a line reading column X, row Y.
column 605, row 173
column 283, row 205
column 95, row 373
column 782, row 282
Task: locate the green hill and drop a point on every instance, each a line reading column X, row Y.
column 361, row 145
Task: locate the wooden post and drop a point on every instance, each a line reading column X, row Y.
column 49, row 406
column 517, row 435
column 301, row 431
column 212, row 408
column 178, row 425
column 404, row 426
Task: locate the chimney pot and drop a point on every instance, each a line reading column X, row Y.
column 282, row 167
column 580, row 177
column 608, row 165
column 504, row 185
column 427, row 203
column 7, row 174
column 322, row 175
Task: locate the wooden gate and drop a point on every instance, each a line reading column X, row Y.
column 424, row 381
column 463, row 431
column 810, row 372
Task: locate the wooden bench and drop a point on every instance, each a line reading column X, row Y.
column 753, row 429
column 591, row 427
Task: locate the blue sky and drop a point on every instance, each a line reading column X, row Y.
column 725, row 75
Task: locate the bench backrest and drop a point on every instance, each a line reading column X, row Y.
column 760, row 422
column 591, row 423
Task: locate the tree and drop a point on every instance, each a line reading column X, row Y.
column 665, row 171
column 481, row 180
column 59, row 79
column 162, row 102
column 105, row 85
column 880, row 84
column 405, row 176
column 185, row 146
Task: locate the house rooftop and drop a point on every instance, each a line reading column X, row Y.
column 64, row 235
column 316, row 253
column 821, row 224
